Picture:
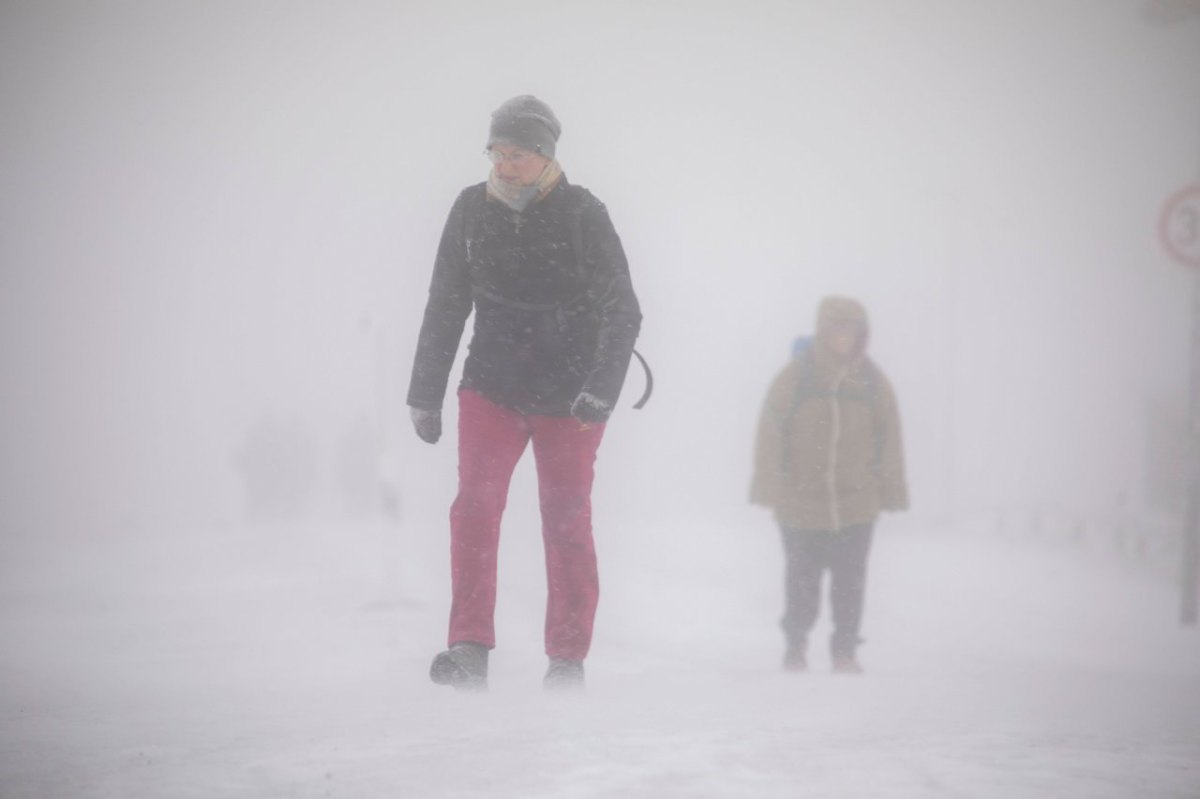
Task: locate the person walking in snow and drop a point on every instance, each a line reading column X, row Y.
column 556, row 317
column 828, row 459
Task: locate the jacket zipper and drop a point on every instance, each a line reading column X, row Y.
column 835, row 434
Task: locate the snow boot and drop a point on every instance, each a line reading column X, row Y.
column 846, row 664
column 795, row 658
column 464, row 666
column 564, row 675
column 843, row 648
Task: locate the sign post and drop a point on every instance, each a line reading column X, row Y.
column 1179, row 230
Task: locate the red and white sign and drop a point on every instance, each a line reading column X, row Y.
column 1179, row 225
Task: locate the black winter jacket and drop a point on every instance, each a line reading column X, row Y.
column 555, row 311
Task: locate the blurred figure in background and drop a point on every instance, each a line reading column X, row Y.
column 828, row 459
column 555, row 322
column 278, row 466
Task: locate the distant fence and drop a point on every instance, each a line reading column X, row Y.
column 1152, row 540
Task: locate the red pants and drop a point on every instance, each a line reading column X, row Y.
column 490, row 442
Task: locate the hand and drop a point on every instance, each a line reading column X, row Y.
column 590, row 409
column 428, row 424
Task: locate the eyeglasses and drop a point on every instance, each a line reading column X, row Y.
column 516, row 158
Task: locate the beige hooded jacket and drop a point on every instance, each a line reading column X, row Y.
column 829, row 453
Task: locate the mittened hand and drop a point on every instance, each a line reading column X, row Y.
column 590, row 409
column 428, row 424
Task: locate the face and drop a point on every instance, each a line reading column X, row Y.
column 843, row 337
column 517, row 165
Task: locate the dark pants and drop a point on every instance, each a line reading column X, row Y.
column 809, row 553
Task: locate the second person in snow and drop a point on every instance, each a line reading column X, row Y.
column 828, row 459
column 556, row 318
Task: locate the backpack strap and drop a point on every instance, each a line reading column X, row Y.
column 575, row 217
column 873, row 381
column 474, row 211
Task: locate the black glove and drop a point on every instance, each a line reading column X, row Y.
column 428, row 424
column 590, row 409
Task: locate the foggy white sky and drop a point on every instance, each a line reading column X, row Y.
column 207, row 207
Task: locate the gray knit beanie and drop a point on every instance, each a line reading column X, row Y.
column 526, row 122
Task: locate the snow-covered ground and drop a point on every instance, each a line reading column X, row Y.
column 292, row 662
